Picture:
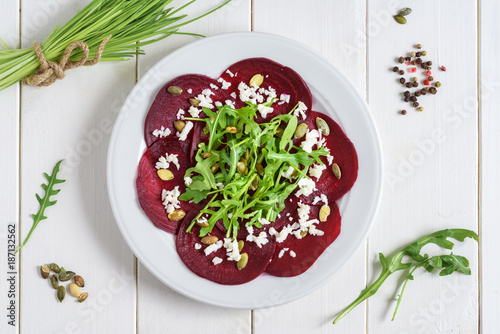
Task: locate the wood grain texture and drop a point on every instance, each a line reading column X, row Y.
column 159, row 307
column 490, row 159
column 336, row 30
column 72, row 120
column 431, row 161
column 9, row 179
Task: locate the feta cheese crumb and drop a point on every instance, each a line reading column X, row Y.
column 161, row 133
column 216, row 260
column 233, row 95
column 300, row 110
column 316, row 170
column 225, row 84
column 188, row 180
column 230, row 73
column 197, row 246
column 306, row 187
column 165, row 161
column 180, row 114
column 264, row 110
column 292, row 254
column 190, row 91
column 259, row 240
column 311, row 140
column 213, row 248
column 194, row 112
column 232, row 250
column 219, row 185
column 264, row 221
column 170, row 199
column 218, row 104
column 183, row 134
column 288, row 173
column 330, row 159
column 213, row 86
column 230, row 103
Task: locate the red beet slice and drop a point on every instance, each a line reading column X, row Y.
column 307, row 249
column 226, row 272
column 345, row 157
column 163, row 111
column 149, row 186
column 283, row 79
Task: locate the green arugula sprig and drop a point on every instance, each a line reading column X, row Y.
column 44, row 201
column 268, row 151
column 447, row 264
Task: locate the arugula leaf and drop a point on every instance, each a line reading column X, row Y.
column 44, row 201
column 195, row 195
column 448, row 264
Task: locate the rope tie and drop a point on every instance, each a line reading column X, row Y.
column 50, row 71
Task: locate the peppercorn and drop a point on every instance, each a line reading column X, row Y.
column 428, row 73
column 408, row 85
column 402, row 80
column 418, row 61
column 412, row 54
column 419, row 46
column 406, row 99
column 438, row 84
column 426, row 82
column 420, row 108
column 419, row 54
column 443, row 68
column 415, row 84
column 401, row 72
column 412, row 62
column 408, row 58
column 413, row 99
column 403, row 112
column 415, row 79
column 407, row 93
column 424, row 66
column 415, row 104
column 417, row 93
column 433, row 90
column 423, row 92
column 429, row 63
column 395, row 69
column 401, row 60
column 424, row 53
column 431, row 78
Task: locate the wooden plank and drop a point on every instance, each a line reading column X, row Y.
column 490, row 180
column 9, row 179
column 431, row 161
column 72, row 120
column 159, row 307
column 335, row 29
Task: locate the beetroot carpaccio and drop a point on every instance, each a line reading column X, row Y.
column 293, row 173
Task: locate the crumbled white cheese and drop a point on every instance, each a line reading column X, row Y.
column 321, row 198
column 180, row 114
column 264, row 110
column 188, row 180
column 213, row 86
column 259, row 240
column 219, row 185
column 233, row 95
column 216, row 260
column 170, row 199
column 292, row 254
column 225, row 84
column 194, row 112
column 249, row 94
column 284, row 98
column 183, row 134
column 306, row 187
column 290, row 219
column 316, row 170
column 264, row 221
column 207, row 92
column 232, row 250
column 288, row 173
column 314, row 231
column 205, row 100
column 197, row 246
column 311, row 140
column 300, row 110
column 165, row 161
column 230, row 103
column 190, row 91
column 330, row 159
column 230, row 73
column 218, row 104
column 283, row 234
column 202, row 220
column 213, row 247
column 282, row 252
column 162, row 132
column 303, row 211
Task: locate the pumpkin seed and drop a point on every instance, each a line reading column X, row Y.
column 79, row 281
column 179, row 125
column 260, row 169
column 255, row 184
column 202, row 223
column 64, row 277
column 336, row 171
column 209, row 239
column 205, row 155
column 62, row 271
column 322, row 126
column 404, row 12
column 176, row 215
column 400, row 19
column 241, row 243
column 44, row 271
column 54, row 281
column 279, row 132
column 232, row 129
column 242, row 263
column 300, row 131
column 303, row 233
column 244, row 161
column 82, row 297
column 61, row 293
column 194, row 102
column 165, row 174
column 247, row 154
column 324, row 212
column 74, row 290
column 55, row 268
column 256, row 80
column 215, row 168
column 174, row 90
column 242, row 168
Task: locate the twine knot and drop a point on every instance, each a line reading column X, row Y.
column 50, row 71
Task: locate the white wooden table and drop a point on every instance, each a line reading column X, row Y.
column 441, row 171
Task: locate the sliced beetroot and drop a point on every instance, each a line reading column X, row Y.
column 307, row 249
column 149, row 185
column 344, row 155
column 226, row 272
column 283, row 79
column 163, row 111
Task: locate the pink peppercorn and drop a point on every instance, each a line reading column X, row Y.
column 428, row 73
column 443, row 68
column 412, row 69
column 408, row 63
column 427, row 82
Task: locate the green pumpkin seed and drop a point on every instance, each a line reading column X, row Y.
column 322, row 126
column 303, row 233
column 300, row 131
column 247, row 154
column 215, row 168
column 62, row 271
column 232, row 129
column 82, row 297
column 64, row 277
column 260, row 169
column 61, row 293
column 176, row 215
column 324, row 212
column 279, row 132
column 255, row 184
column 194, row 102
column 79, row 281
column 400, row 19
column 242, row 263
column 336, row 171
column 55, row 268
column 179, row 125
column 256, row 80
column 404, row 12
column 241, row 243
column 205, row 155
column 54, row 281
column 174, row 90
column 242, row 168
column 165, row 174
column 44, row 271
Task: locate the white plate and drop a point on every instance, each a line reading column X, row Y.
column 332, row 94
